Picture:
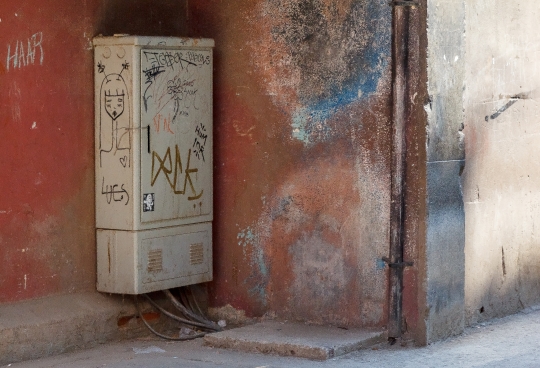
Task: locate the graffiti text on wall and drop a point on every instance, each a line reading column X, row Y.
column 200, row 141
column 159, row 60
column 172, row 172
column 25, row 53
column 114, row 193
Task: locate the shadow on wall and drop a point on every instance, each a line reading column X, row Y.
column 502, row 272
column 485, row 304
column 143, row 17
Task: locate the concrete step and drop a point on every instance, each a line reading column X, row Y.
column 295, row 339
column 62, row 323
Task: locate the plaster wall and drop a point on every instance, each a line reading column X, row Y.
column 46, row 215
column 302, row 152
column 444, row 250
column 502, row 174
column 47, row 227
column 302, row 149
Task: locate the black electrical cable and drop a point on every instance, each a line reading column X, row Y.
column 175, row 317
column 187, row 301
column 207, row 323
column 183, row 299
column 183, row 338
column 200, row 312
column 190, row 302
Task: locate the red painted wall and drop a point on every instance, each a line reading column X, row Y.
column 47, row 227
column 46, row 215
column 302, row 152
column 302, row 149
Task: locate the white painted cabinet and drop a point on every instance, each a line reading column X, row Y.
column 153, row 149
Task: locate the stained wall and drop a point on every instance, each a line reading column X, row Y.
column 46, row 217
column 47, row 226
column 302, row 149
column 445, row 158
column 501, row 176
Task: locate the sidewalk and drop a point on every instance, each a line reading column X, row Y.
column 512, row 341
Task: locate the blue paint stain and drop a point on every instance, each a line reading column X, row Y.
column 309, row 123
column 260, row 273
column 381, row 265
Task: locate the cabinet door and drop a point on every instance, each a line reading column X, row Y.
column 176, row 135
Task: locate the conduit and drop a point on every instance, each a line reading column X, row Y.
column 400, row 88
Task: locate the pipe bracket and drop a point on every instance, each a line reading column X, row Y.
column 411, row 3
column 397, row 264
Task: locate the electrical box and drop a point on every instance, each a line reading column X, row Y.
column 153, row 150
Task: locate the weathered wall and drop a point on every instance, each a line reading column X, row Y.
column 502, row 174
column 302, row 149
column 302, row 102
column 414, row 298
column 47, row 241
column 46, row 215
column 444, row 252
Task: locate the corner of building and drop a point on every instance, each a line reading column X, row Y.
column 445, row 216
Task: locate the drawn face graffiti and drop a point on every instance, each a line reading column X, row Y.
column 114, row 104
column 114, row 116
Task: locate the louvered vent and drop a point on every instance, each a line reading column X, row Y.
column 155, row 260
column 196, row 253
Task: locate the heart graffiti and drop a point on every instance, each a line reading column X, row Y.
column 123, row 161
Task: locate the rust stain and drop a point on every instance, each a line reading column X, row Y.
column 150, row 316
column 282, row 203
column 123, row 321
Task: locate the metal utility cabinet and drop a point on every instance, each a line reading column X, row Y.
column 153, row 150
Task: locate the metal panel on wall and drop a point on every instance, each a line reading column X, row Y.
column 153, row 128
column 176, row 144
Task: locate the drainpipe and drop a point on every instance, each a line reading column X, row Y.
column 400, row 111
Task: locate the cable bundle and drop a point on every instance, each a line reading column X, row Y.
column 191, row 314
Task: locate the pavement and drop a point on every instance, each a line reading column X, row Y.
column 512, row 341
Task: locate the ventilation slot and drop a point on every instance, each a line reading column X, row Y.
column 155, row 260
column 196, row 253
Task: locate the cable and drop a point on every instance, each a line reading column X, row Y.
column 186, row 312
column 195, row 301
column 160, row 334
column 175, row 317
column 187, row 301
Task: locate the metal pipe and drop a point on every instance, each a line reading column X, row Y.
column 400, row 58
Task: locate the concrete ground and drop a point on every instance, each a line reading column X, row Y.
column 512, row 341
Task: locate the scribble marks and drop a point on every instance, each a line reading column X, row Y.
column 159, row 61
column 165, row 165
column 181, row 90
column 114, row 193
column 200, row 141
column 22, row 56
column 150, row 74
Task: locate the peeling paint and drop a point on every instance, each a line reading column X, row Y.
column 310, row 181
column 250, row 242
column 320, row 275
column 325, row 56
